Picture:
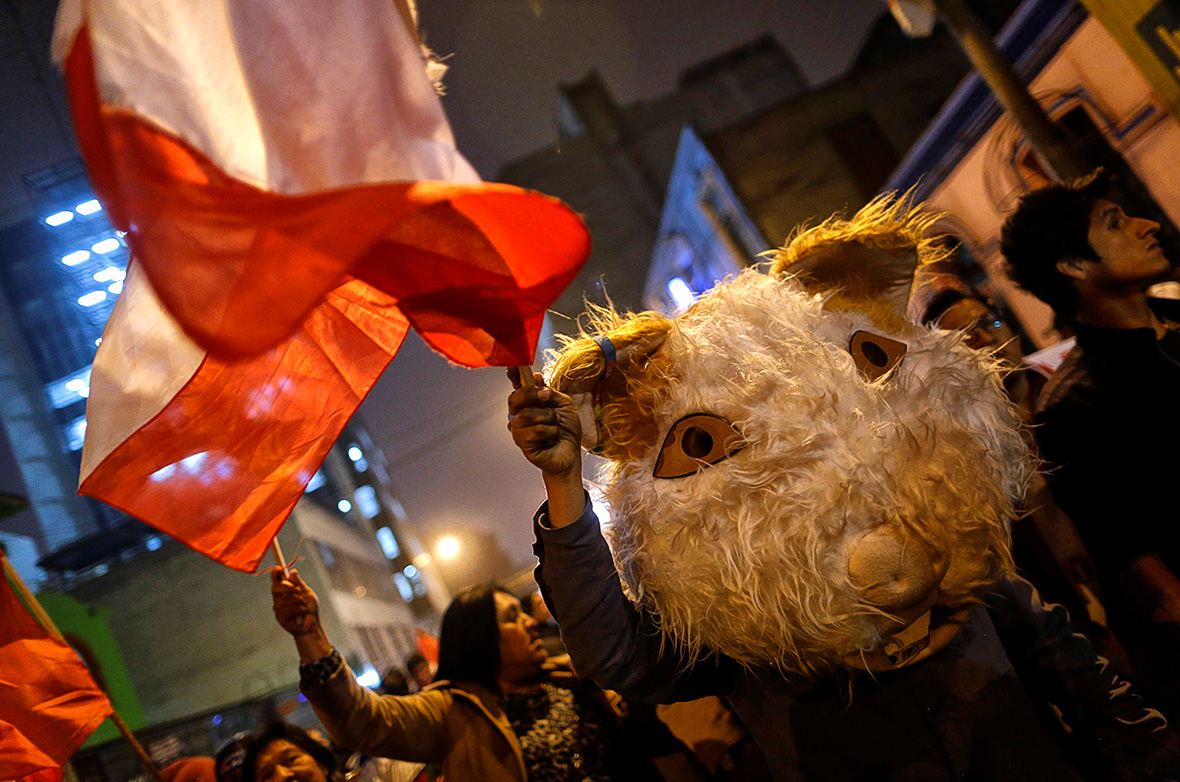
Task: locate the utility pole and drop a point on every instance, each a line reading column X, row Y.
column 1048, row 142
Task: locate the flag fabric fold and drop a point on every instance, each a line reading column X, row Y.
column 49, row 703
column 293, row 200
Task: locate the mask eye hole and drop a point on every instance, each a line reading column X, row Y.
column 875, row 355
column 694, row 442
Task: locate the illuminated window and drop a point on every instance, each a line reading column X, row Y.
column 76, row 434
column 70, row 389
column 76, row 257
column 92, row 298
column 388, row 543
column 106, row 245
column 88, row 207
column 366, row 501
column 59, row 218
column 403, row 587
column 109, row 274
column 680, row 292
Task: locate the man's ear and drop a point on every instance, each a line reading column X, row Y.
column 1077, row 268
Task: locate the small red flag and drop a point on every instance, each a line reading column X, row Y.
column 49, row 703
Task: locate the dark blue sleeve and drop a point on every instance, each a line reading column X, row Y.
column 1133, row 740
column 610, row 640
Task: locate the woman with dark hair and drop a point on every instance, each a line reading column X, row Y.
column 282, row 752
column 492, row 713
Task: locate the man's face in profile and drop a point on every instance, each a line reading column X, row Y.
column 1127, row 248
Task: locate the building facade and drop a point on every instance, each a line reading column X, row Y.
column 613, row 163
column 740, row 190
column 974, row 163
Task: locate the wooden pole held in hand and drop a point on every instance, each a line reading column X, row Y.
column 277, row 550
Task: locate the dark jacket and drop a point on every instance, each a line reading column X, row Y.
column 1108, row 425
column 974, row 710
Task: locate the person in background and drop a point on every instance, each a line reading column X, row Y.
column 283, row 752
column 419, row 669
column 547, row 627
column 493, row 712
column 395, row 682
column 984, row 328
column 1108, row 422
column 1045, row 544
column 230, row 759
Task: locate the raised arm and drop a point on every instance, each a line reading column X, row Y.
column 404, row 728
column 545, row 427
column 608, row 638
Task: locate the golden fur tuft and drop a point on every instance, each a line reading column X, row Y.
column 627, row 420
column 891, row 223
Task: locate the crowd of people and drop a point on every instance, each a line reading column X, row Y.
column 505, row 702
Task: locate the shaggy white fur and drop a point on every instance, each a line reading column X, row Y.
column 749, row 556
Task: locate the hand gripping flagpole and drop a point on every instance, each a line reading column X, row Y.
column 526, row 377
column 42, row 617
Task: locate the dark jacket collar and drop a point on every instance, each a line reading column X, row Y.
column 1100, row 342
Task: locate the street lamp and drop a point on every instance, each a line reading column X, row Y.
column 448, row 547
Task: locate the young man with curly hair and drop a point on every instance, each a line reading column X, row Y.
column 1108, row 423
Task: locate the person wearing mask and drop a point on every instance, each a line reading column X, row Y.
column 493, row 712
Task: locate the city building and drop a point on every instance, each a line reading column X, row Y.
column 740, row 190
column 974, row 163
column 612, row 163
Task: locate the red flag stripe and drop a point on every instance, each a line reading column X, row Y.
column 221, row 466
column 240, row 267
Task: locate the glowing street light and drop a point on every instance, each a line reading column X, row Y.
column 448, row 547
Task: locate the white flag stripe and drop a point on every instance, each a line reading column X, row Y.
column 348, row 101
column 143, row 362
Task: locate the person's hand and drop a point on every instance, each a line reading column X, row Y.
column 296, row 607
column 545, row 427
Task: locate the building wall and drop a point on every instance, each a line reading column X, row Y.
column 613, row 162
column 785, row 164
column 741, row 190
column 1090, row 70
column 195, row 634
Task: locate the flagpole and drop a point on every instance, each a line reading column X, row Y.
column 277, row 550
column 526, row 376
column 39, row 612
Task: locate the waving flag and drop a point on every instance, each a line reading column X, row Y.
column 49, row 704
column 293, row 200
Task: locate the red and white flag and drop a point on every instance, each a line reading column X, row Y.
column 293, row 201
column 49, row 703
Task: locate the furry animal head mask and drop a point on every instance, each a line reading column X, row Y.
column 797, row 475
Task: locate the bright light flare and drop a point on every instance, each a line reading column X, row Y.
column 448, row 547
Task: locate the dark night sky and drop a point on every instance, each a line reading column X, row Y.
column 443, row 428
column 508, row 55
